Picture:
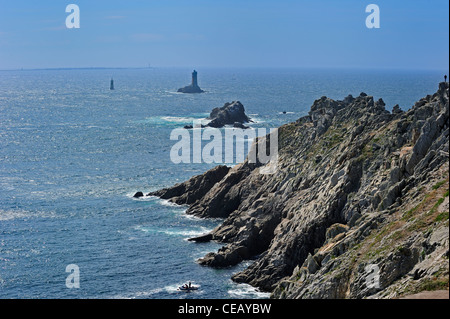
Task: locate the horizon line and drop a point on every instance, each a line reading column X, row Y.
column 227, row 67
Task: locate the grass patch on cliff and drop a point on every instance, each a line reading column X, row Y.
column 439, row 184
column 419, row 218
column 330, row 139
column 441, row 217
column 444, row 215
column 433, row 284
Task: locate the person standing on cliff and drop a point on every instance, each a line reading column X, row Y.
column 445, row 78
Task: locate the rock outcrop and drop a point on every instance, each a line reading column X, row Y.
column 230, row 114
column 194, row 189
column 357, row 208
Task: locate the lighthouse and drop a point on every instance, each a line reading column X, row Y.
column 194, row 79
column 193, row 87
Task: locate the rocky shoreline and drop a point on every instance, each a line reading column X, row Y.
column 356, row 186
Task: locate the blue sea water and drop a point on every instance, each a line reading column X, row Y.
column 72, row 154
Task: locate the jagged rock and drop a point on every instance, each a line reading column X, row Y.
column 230, row 114
column 335, row 230
column 396, row 109
column 201, row 239
column 194, row 189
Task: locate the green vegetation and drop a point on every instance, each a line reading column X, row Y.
column 444, row 215
column 434, row 284
column 437, row 185
column 441, row 217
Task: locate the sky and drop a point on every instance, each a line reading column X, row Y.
column 225, row 33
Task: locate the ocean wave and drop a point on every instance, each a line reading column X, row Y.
column 7, row 215
column 143, row 198
column 169, row 289
column 139, row 294
column 160, row 201
column 246, row 291
column 166, row 202
column 174, row 120
column 182, row 232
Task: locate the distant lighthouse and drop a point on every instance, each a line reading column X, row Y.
column 193, row 87
column 194, row 79
column 111, row 86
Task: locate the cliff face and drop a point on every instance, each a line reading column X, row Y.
column 357, row 186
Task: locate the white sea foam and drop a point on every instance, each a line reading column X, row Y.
column 255, row 119
column 247, row 291
column 143, row 198
column 170, row 289
column 184, row 232
column 188, row 233
column 174, row 120
column 140, row 294
column 11, row 214
column 286, row 112
column 166, row 202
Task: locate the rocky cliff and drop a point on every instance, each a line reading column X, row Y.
column 360, row 196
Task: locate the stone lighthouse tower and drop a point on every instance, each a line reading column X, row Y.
column 194, row 79
column 193, row 87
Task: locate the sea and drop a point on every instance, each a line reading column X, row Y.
column 73, row 153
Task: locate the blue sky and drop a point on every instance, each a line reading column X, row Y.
column 225, row 33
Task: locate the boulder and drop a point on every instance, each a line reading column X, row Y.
column 230, row 114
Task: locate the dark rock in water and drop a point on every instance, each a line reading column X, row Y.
column 230, row 114
column 138, row 194
column 191, row 127
column 193, row 87
column 190, row 89
column 202, row 239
